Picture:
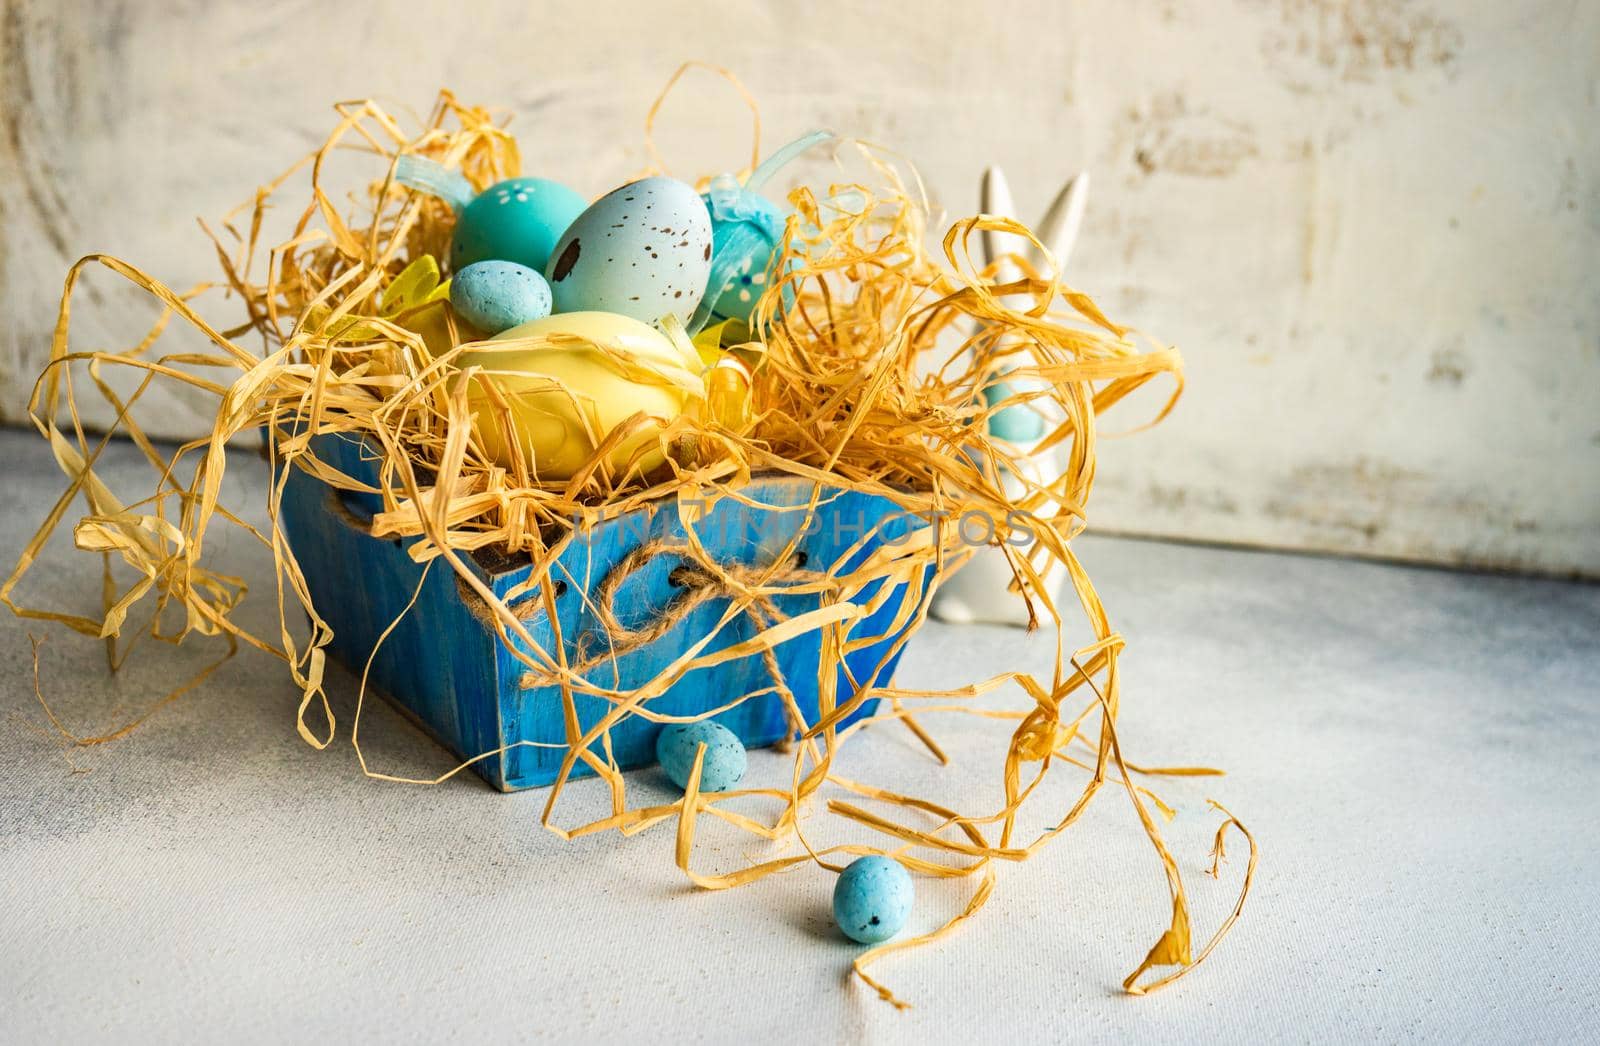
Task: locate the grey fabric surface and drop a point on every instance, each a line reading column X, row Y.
column 1415, row 750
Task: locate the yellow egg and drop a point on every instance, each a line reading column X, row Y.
column 728, row 393
column 568, row 380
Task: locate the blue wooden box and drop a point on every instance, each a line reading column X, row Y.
column 446, row 667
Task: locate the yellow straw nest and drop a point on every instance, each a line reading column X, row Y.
column 843, row 394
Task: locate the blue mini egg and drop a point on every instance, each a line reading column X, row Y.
column 643, row 250
column 517, row 220
column 1018, row 423
column 725, row 756
column 495, row 296
column 746, row 229
column 873, row 898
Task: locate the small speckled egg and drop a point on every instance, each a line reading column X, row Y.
column 495, row 296
column 518, row 220
column 725, row 756
column 643, row 250
column 745, row 231
column 872, row 899
column 1018, row 423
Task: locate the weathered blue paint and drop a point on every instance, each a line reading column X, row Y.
column 444, row 664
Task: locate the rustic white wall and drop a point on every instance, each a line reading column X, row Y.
column 1373, row 226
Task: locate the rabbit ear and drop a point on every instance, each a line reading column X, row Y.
column 996, row 200
column 997, row 193
column 1058, row 229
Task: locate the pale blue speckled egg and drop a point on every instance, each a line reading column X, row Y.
column 873, row 898
column 643, row 250
column 495, row 296
column 725, row 756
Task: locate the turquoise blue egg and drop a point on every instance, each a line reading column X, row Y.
column 643, row 250
column 873, row 899
column 744, row 239
column 495, row 296
column 1018, row 423
column 725, row 756
column 518, row 220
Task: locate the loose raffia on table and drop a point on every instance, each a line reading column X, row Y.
column 838, row 398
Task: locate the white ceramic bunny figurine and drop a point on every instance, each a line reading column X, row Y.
column 978, row 592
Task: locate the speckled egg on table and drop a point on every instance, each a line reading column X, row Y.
column 643, row 250
column 872, row 899
column 725, row 755
column 517, row 220
column 495, row 296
